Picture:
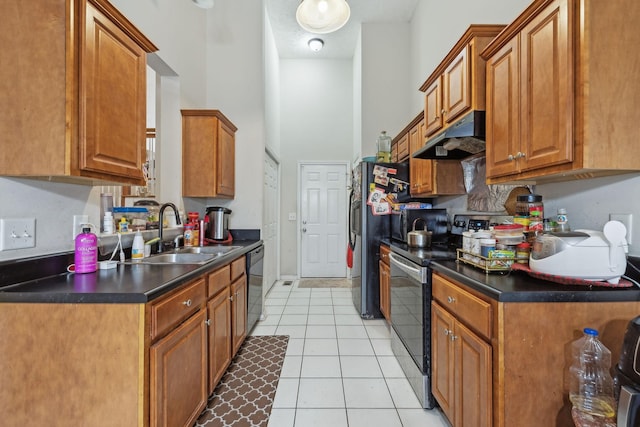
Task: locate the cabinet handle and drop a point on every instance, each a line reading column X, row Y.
column 453, row 337
column 451, row 300
column 443, row 112
column 231, row 298
column 187, row 303
column 446, row 332
column 207, row 322
column 520, row 155
column 511, row 158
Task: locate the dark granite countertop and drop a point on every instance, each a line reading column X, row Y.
column 511, row 286
column 518, row 286
column 127, row 283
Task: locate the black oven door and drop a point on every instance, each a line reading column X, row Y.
column 410, row 306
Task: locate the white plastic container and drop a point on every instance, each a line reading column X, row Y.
column 137, row 250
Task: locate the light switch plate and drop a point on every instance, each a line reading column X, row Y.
column 17, row 233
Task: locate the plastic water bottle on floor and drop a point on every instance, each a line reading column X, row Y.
column 591, row 391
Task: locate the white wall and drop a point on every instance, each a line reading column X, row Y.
column 316, row 125
column 385, row 63
column 437, row 25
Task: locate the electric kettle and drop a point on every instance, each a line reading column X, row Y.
column 218, row 228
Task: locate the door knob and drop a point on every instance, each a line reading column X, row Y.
column 304, row 230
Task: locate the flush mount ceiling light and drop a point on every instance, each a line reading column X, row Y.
column 315, row 44
column 323, row 16
column 205, row 4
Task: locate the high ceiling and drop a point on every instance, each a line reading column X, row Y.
column 291, row 40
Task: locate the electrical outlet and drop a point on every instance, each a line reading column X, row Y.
column 78, row 220
column 18, row 233
column 626, row 219
column 292, row 216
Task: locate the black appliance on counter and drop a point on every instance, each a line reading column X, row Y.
column 254, row 286
column 627, row 376
column 367, row 229
column 410, row 284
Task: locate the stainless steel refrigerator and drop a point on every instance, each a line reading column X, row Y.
column 366, row 229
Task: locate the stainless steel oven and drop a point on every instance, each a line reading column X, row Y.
column 411, row 323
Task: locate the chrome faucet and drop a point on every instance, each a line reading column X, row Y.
column 161, row 222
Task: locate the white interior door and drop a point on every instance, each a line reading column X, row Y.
column 270, row 222
column 323, row 213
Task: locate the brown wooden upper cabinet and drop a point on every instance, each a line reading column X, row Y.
column 75, row 101
column 208, row 154
column 457, row 84
column 561, row 97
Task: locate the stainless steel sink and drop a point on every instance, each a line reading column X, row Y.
column 210, row 250
column 177, row 258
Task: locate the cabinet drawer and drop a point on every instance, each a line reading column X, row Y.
column 238, row 268
column 469, row 309
column 218, row 280
column 384, row 254
column 176, row 307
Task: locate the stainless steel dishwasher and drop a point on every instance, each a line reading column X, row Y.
column 254, row 293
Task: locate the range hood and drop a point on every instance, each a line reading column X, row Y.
column 462, row 139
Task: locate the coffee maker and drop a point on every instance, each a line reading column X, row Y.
column 627, row 377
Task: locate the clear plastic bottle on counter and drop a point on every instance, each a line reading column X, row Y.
column 108, row 223
column 591, row 384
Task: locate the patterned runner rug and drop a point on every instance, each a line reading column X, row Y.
column 324, row 283
column 244, row 396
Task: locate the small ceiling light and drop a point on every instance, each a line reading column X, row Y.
column 205, row 4
column 323, row 16
column 315, row 44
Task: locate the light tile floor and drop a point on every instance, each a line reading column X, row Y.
column 339, row 370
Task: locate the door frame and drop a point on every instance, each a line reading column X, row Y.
column 302, row 163
column 276, row 159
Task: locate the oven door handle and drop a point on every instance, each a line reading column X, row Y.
column 413, row 270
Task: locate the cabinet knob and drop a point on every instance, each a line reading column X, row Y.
column 231, row 298
column 446, row 331
column 187, row 303
column 453, row 337
column 511, row 158
column 451, row 300
column 207, row 322
column 443, row 112
column 520, row 155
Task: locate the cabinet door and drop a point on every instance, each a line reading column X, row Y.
column 457, row 88
column 403, row 147
column 420, row 176
column 442, row 363
column 503, row 115
column 415, row 140
column 472, row 404
column 433, row 108
column 112, row 104
column 178, row 374
column 219, row 332
column 547, row 92
column 385, row 303
column 239, row 312
column 226, row 161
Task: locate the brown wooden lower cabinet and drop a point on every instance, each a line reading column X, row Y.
column 178, row 367
column 141, row 365
column 505, row 364
column 385, row 282
column 462, row 366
